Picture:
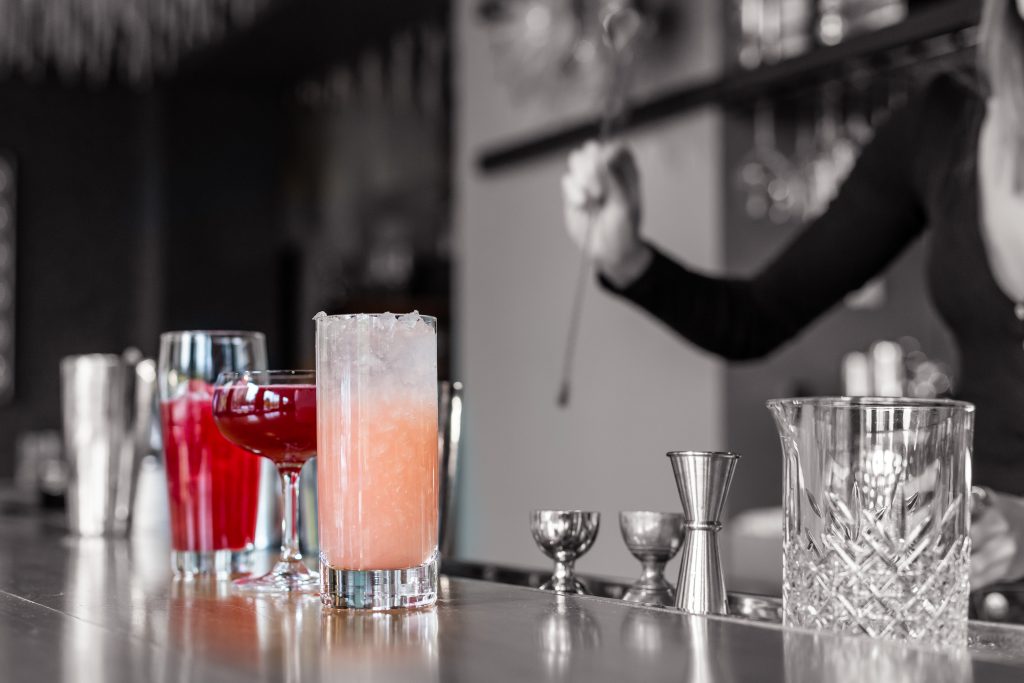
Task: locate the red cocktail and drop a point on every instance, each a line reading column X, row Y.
column 273, row 414
column 212, row 484
column 276, row 421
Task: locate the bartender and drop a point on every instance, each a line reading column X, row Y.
column 951, row 162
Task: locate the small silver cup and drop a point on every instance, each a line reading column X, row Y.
column 564, row 536
column 654, row 538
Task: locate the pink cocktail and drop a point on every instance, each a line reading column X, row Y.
column 377, row 472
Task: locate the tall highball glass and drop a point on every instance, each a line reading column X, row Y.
column 876, row 495
column 213, row 485
column 376, row 380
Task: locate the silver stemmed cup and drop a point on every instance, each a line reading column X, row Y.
column 564, row 536
column 654, row 538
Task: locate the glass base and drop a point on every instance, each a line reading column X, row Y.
column 569, row 586
column 284, row 577
column 222, row 564
column 381, row 589
column 650, row 595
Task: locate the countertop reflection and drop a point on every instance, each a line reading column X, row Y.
column 95, row 610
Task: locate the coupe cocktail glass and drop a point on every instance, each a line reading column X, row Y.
column 876, row 498
column 213, row 485
column 273, row 414
column 377, row 466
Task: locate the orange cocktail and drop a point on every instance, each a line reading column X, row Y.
column 377, row 451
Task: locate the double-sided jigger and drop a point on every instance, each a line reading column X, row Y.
column 703, row 480
column 654, row 538
column 564, row 536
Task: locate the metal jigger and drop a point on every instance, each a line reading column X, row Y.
column 564, row 535
column 703, row 480
column 654, row 538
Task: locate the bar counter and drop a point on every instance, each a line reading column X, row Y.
column 109, row 610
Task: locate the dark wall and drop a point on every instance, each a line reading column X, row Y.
column 222, row 237
column 80, row 207
column 148, row 211
column 137, row 213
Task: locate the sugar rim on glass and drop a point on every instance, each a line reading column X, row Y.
column 429, row 319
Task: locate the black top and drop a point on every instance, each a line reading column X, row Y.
column 920, row 171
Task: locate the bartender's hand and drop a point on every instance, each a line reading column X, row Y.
column 997, row 539
column 602, row 185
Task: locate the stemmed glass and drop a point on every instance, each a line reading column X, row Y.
column 564, row 536
column 273, row 414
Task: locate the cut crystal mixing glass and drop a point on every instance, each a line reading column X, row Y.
column 876, row 494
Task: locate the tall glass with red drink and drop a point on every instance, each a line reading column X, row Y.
column 213, row 485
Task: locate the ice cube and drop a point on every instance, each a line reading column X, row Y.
column 410, row 320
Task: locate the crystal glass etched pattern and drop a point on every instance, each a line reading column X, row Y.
column 876, row 516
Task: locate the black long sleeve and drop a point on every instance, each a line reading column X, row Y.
column 920, row 170
column 877, row 213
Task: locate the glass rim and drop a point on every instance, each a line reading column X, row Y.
column 336, row 316
column 872, row 402
column 728, row 455
column 658, row 513
column 178, row 334
column 75, row 358
column 553, row 511
column 235, row 375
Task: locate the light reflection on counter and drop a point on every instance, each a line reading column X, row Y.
column 645, row 635
column 381, row 647
column 566, row 632
column 91, row 563
column 827, row 658
column 109, row 610
column 95, row 569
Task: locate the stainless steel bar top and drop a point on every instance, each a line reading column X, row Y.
column 95, row 610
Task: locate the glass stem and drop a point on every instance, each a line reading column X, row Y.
column 289, row 520
column 563, row 576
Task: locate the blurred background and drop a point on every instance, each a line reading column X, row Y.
column 243, row 164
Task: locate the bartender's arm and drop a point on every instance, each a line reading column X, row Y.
column 601, row 192
column 997, row 539
column 876, row 214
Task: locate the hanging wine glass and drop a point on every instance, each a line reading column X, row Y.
column 845, row 147
column 831, row 159
column 537, row 43
column 765, row 176
column 805, row 155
